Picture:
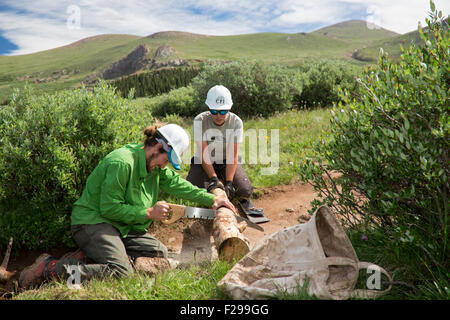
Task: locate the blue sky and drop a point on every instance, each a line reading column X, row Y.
column 28, row 26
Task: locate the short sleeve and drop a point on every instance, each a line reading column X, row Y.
column 239, row 131
column 198, row 129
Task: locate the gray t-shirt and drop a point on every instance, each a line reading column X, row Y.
column 220, row 139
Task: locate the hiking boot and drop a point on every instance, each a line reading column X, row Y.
column 36, row 273
column 152, row 265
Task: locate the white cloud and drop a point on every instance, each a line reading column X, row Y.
column 37, row 34
column 35, row 27
column 295, row 13
column 401, row 16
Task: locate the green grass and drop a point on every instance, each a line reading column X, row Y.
column 297, row 131
column 392, row 46
column 193, row 282
column 413, row 278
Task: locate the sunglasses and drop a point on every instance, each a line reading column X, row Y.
column 222, row 112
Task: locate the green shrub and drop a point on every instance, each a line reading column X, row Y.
column 261, row 90
column 49, row 144
column 257, row 89
column 178, row 101
column 323, row 80
column 390, row 150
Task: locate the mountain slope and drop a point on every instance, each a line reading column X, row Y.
column 391, row 45
column 62, row 67
column 356, row 30
column 68, row 66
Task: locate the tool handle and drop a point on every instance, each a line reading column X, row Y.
column 177, row 213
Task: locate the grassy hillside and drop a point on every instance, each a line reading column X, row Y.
column 62, row 67
column 392, row 46
column 354, row 31
column 68, row 66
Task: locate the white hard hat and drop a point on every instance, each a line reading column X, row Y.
column 175, row 141
column 219, row 98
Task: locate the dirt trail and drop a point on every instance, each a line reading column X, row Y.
column 190, row 241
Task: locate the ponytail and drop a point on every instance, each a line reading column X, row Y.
column 149, row 134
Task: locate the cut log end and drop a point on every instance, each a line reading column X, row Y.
column 233, row 249
column 227, row 232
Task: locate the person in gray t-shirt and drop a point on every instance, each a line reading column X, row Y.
column 217, row 136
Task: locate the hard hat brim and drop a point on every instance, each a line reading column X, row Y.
column 222, row 107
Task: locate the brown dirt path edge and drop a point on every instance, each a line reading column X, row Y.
column 191, row 241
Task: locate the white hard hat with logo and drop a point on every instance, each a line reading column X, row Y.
column 219, row 98
column 175, row 142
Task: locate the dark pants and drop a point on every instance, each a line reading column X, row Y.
column 104, row 246
column 198, row 177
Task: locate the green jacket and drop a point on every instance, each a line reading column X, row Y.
column 120, row 190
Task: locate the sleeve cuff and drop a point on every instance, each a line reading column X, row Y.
column 211, row 197
column 141, row 216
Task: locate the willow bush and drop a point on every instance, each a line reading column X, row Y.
column 49, row 144
column 385, row 163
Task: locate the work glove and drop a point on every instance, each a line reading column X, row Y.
column 229, row 189
column 213, row 183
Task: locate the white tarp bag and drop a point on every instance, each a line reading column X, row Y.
column 318, row 250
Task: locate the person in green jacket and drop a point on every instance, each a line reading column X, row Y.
column 109, row 221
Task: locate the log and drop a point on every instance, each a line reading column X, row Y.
column 227, row 233
column 4, row 274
